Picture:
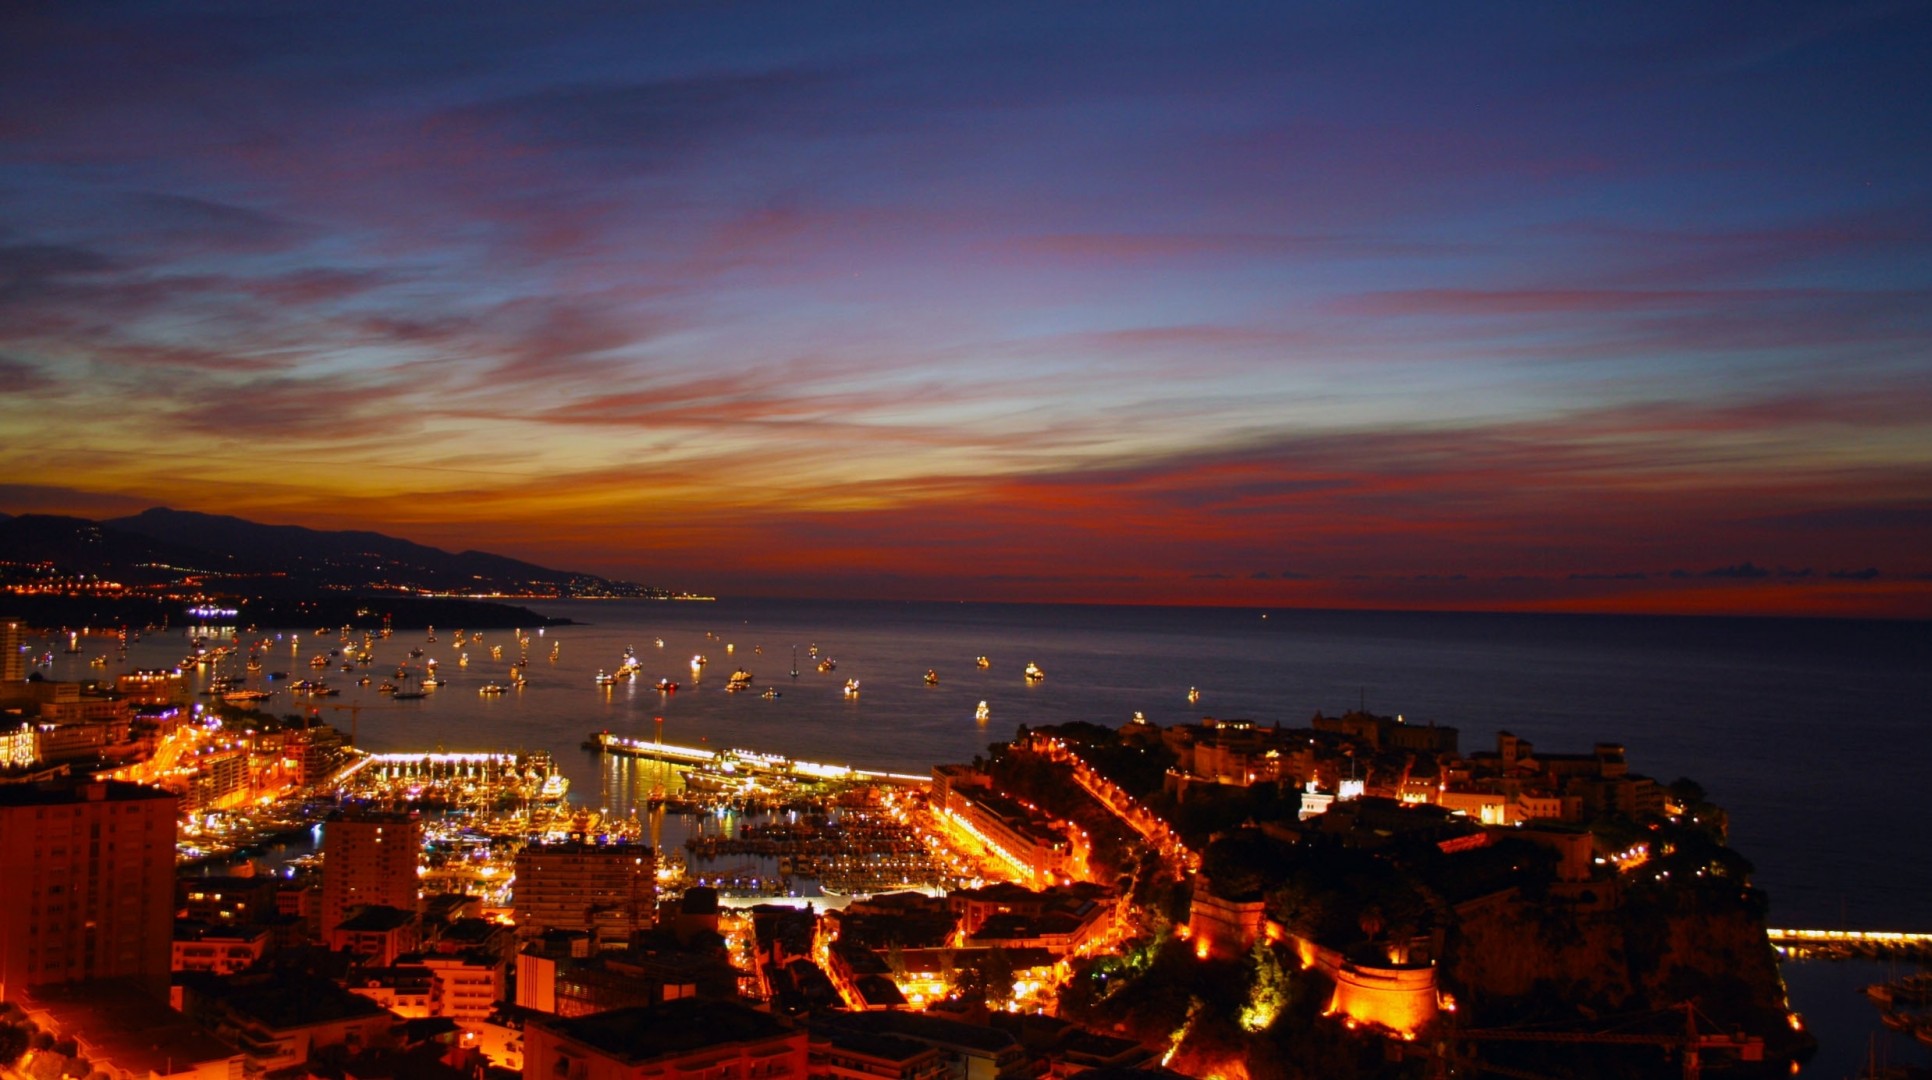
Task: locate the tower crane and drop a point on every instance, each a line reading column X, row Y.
column 354, row 709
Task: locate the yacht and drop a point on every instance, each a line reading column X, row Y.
column 1033, row 672
column 851, row 688
column 982, row 714
column 932, row 677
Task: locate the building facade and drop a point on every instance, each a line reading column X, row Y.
column 609, row 890
column 88, row 887
column 369, row 859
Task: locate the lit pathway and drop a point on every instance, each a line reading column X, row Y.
column 1138, row 818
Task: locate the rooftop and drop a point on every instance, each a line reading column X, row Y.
column 136, row 1032
column 290, row 1000
column 377, row 918
column 643, row 1033
column 66, row 792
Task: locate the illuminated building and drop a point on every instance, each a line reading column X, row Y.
column 128, row 1035
column 19, row 747
column 152, row 686
column 13, row 657
column 467, row 985
column 89, row 884
column 377, row 933
column 1060, row 920
column 1026, row 842
column 369, row 859
column 852, row 1055
column 404, row 989
column 863, row 977
column 223, row 950
column 969, row 1051
column 220, row 780
column 313, row 752
column 279, row 1020
column 607, row 889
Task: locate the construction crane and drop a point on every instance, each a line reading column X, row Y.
column 1690, row 1042
column 355, row 714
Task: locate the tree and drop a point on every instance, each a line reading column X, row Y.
column 998, row 972
column 13, row 1043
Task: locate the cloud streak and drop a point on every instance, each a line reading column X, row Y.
column 1525, row 313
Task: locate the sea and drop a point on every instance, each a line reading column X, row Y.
column 1814, row 735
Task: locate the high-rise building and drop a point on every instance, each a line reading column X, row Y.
column 607, row 889
column 369, row 858
column 87, row 890
column 13, row 639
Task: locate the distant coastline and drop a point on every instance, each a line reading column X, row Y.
column 361, row 612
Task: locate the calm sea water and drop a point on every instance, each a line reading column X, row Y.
column 1812, row 733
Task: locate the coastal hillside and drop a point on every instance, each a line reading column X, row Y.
column 151, row 567
column 162, row 545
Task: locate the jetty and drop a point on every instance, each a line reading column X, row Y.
column 746, row 762
column 1864, row 944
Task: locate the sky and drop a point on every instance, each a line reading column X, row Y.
column 1614, row 307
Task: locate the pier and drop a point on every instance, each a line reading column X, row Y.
column 1845, row 944
column 746, row 762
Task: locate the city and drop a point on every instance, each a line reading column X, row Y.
column 1349, row 891
column 1260, row 540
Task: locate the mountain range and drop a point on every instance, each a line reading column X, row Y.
column 229, row 554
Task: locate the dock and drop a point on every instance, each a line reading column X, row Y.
column 746, row 762
column 1864, row 944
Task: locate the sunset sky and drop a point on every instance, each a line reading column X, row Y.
column 1526, row 306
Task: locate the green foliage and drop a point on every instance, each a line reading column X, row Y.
column 1270, row 988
